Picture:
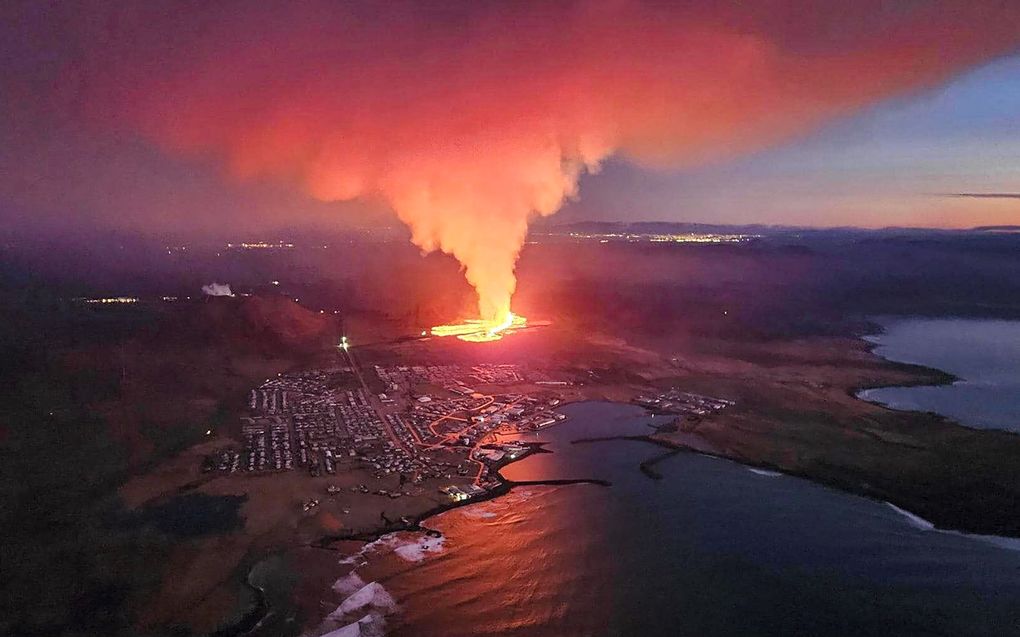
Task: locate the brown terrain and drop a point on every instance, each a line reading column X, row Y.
column 795, row 412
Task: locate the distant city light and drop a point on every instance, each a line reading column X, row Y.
column 685, row 237
column 113, row 299
column 260, row 245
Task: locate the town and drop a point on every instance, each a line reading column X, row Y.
column 429, row 422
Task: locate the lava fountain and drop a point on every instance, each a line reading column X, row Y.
column 470, row 121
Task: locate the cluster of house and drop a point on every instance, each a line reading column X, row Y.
column 459, row 379
column 318, row 420
column 459, row 494
column 683, row 403
column 313, row 420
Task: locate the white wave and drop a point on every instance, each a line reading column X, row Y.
column 355, row 559
column 916, row 521
column 417, row 551
column 411, row 549
column 358, row 559
column 368, row 626
column 414, row 549
column 348, row 584
column 371, row 602
column 370, row 598
column 764, row 472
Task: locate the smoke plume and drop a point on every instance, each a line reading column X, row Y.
column 469, row 119
column 217, row 289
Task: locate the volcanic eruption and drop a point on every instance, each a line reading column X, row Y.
column 470, row 119
column 481, row 330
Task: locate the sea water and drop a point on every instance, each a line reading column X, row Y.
column 983, row 354
column 713, row 548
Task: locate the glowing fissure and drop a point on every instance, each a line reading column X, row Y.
column 480, row 331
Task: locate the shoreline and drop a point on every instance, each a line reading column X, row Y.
column 918, row 375
column 251, row 619
column 864, row 491
column 943, row 379
column 261, row 609
column 1007, row 542
column 647, row 467
column 1002, row 541
column 415, row 523
column 938, row 377
column 935, row 377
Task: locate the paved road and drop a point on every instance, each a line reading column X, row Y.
column 373, row 401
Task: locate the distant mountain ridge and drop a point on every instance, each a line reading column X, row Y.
column 673, row 227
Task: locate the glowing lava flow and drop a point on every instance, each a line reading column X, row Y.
column 479, row 331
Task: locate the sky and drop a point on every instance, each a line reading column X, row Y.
column 891, row 165
column 180, row 118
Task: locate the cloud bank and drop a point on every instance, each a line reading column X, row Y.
column 470, row 118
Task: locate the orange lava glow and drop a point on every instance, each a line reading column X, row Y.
column 472, row 120
column 481, row 331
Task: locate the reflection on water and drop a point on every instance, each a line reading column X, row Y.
column 712, row 549
column 985, row 355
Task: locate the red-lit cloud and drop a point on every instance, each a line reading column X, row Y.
column 470, row 118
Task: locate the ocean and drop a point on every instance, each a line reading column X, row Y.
column 983, row 354
column 714, row 548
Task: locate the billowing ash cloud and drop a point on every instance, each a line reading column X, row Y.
column 217, row 289
column 470, row 118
